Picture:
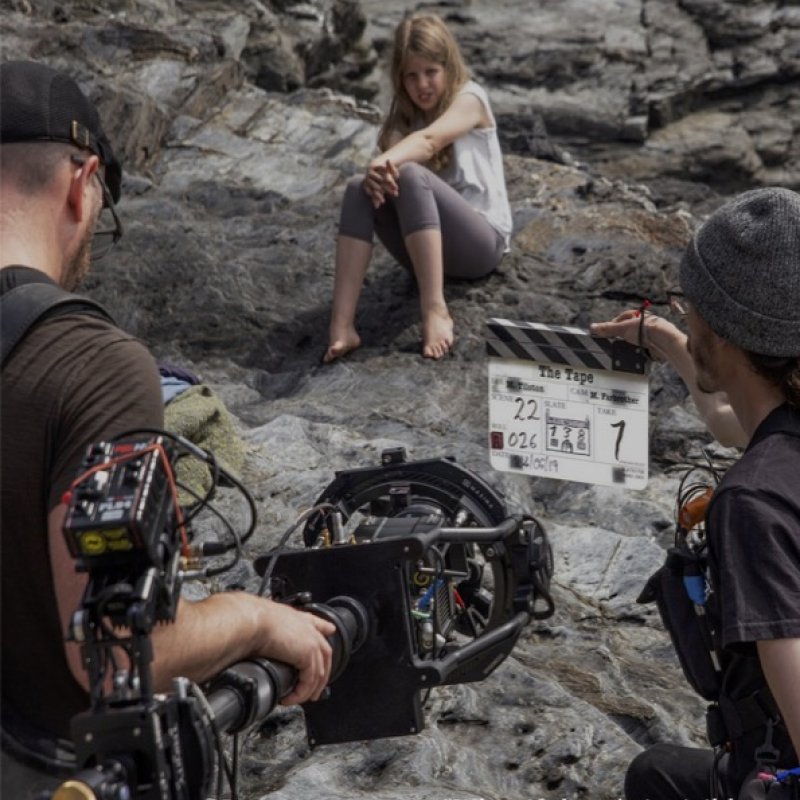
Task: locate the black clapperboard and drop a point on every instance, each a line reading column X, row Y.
column 564, row 404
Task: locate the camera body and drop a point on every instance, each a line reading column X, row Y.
column 447, row 578
column 121, row 528
column 120, row 509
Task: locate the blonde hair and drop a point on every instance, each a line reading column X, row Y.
column 424, row 36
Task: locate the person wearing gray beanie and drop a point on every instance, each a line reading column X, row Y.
column 741, row 272
column 740, row 278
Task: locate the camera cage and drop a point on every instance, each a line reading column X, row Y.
column 426, row 578
column 378, row 533
column 440, row 482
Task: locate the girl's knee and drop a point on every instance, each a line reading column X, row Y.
column 357, row 215
column 412, row 172
column 354, row 188
column 355, row 199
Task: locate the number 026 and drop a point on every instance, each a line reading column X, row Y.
column 522, row 440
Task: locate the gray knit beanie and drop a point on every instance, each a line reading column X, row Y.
column 741, row 272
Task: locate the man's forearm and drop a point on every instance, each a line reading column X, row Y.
column 206, row 637
column 214, row 633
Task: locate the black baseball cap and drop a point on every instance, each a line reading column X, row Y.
column 38, row 103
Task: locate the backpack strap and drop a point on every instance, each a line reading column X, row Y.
column 22, row 307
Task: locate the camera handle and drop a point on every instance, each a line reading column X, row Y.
column 247, row 692
column 164, row 748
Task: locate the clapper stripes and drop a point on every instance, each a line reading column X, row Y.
column 559, row 344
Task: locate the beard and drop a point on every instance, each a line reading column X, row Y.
column 78, row 266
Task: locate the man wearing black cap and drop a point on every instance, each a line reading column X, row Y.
column 72, row 380
column 741, row 280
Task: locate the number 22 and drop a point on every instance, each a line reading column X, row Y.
column 533, row 413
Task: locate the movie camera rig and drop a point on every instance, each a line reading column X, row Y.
column 425, row 576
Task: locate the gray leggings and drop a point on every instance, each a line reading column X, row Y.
column 471, row 248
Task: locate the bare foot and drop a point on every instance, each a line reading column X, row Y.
column 341, row 342
column 437, row 332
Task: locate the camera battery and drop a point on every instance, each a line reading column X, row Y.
column 122, row 505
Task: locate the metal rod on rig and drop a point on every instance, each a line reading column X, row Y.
column 478, row 535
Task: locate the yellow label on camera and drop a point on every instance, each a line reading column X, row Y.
column 92, row 543
column 95, row 543
column 119, row 540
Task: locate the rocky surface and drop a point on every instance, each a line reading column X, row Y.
column 698, row 90
column 239, row 123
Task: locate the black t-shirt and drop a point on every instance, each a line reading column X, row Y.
column 74, row 380
column 753, row 529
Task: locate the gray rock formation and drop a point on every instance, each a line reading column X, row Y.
column 709, row 89
column 239, row 123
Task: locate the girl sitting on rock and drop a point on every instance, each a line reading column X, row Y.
column 435, row 195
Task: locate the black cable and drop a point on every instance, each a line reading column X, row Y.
column 237, row 542
column 111, row 639
column 279, row 548
column 632, row 297
column 250, row 502
column 228, row 772
column 622, row 296
column 209, row 459
column 202, row 502
column 202, row 700
column 221, row 763
column 711, row 466
column 212, row 572
column 235, row 768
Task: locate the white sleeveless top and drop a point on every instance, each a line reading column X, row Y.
column 476, row 171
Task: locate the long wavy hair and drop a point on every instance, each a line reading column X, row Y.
column 424, row 36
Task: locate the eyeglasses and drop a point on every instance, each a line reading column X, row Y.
column 677, row 302
column 107, row 231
